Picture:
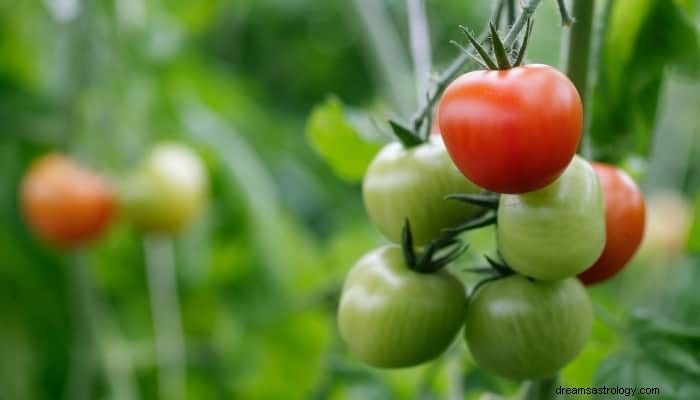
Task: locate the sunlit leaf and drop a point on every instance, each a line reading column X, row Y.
column 333, row 137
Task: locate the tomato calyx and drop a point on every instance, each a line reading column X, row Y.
column 495, row 271
column 434, row 256
column 448, row 247
column 502, row 58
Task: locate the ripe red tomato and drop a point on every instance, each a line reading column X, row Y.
column 624, row 223
column 64, row 203
column 511, row 131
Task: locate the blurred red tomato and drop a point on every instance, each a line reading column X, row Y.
column 64, row 203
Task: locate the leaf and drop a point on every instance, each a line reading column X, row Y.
column 335, row 139
column 644, row 37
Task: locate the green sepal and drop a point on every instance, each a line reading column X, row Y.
column 479, row 48
column 405, row 135
column 498, row 49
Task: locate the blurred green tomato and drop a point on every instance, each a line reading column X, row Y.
column 521, row 329
column 412, row 184
column 167, row 190
column 392, row 317
column 557, row 231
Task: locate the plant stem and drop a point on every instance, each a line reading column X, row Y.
column 576, row 50
column 93, row 337
column 566, row 19
column 544, row 389
column 420, row 46
column 510, row 12
column 165, row 309
column 453, row 69
column 81, row 371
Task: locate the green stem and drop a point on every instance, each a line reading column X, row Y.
column 165, row 310
column 81, row 371
column 94, row 336
column 544, row 389
column 566, row 19
column 576, row 51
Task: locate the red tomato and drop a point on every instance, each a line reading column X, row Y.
column 64, row 203
column 624, row 223
column 511, row 131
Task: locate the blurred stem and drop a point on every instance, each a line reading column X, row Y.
column 81, row 371
column 544, row 389
column 510, row 11
column 576, row 50
column 91, row 344
column 566, row 19
column 386, row 46
column 165, row 310
column 420, row 46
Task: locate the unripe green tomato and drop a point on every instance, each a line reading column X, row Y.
column 167, row 191
column 412, row 184
column 392, row 317
column 557, row 231
column 521, row 329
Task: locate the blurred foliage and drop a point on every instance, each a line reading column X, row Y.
column 259, row 274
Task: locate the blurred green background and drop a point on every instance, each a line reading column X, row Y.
column 272, row 94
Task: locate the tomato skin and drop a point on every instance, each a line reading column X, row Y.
column 521, row 329
column 167, row 191
column 511, row 131
column 64, row 203
column 412, row 183
column 625, row 214
column 392, row 317
column 557, row 231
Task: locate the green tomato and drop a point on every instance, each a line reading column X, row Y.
column 393, row 317
column 520, row 328
column 557, row 231
column 412, row 184
column 167, row 190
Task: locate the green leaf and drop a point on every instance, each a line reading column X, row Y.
column 644, row 38
column 334, row 138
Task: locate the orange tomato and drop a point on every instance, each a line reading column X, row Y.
column 625, row 215
column 64, row 203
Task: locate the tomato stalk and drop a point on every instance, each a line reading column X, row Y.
column 576, row 50
column 167, row 325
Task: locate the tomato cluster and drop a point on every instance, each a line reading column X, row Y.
column 68, row 205
column 561, row 222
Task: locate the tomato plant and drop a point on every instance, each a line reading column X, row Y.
column 521, row 329
column 167, row 190
column 412, row 184
column 624, row 223
column 392, row 317
column 64, row 203
column 514, row 130
column 555, row 232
